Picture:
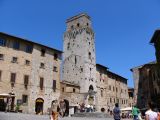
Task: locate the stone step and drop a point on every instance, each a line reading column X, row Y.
column 93, row 114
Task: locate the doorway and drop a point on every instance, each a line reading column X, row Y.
column 39, row 106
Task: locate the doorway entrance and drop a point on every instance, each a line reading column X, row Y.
column 67, row 107
column 39, row 106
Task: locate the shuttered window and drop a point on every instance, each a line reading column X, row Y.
column 13, row 77
column 41, row 83
column 0, row 75
column 26, row 79
column 54, row 85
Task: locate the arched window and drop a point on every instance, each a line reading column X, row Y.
column 91, row 87
column 89, row 55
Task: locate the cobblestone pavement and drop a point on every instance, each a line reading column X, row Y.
column 20, row 116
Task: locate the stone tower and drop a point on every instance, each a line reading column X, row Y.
column 79, row 66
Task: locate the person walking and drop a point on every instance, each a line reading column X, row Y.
column 62, row 106
column 135, row 112
column 150, row 114
column 116, row 112
column 54, row 110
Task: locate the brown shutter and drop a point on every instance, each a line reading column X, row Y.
column 13, row 77
column 0, row 75
column 54, row 85
column 41, row 83
column 26, row 79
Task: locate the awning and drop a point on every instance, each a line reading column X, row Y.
column 126, row 109
column 4, row 95
column 39, row 100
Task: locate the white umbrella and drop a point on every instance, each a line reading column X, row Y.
column 4, row 95
column 126, row 109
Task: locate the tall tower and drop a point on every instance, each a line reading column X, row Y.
column 79, row 65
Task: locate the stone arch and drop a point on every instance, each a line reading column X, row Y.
column 39, row 105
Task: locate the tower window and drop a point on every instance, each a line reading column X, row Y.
column 68, row 46
column 27, row 62
column 87, row 24
column 81, row 69
column 89, row 55
column 42, row 65
column 75, row 60
column 55, row 69
column 78, row 24
column 43, row 52
column 101, row 93
column 74, row 90
column 55, row 56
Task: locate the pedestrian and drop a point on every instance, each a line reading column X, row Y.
column 150, row 114
column 116, row 112
column 54, row 110
column 135, row 112
column 62, row 106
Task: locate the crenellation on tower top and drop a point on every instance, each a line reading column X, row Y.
column 78, row 21
column 78, row 16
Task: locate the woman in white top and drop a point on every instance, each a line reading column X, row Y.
column 150, row 114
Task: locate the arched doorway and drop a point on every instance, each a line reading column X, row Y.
column 67, row 107
column 39, row 106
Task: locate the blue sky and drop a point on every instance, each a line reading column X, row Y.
column 123, row 28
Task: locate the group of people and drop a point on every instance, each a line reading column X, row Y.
column 57, row 108
column 151, row 114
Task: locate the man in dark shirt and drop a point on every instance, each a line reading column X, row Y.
column 116, row 112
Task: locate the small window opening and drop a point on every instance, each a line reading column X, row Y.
column 55, row 56
column 43, row 52
column 78, row 24
column 74, row 90
column 72, row 27
column 87, row 24
column 75, row 60
column 68, row 46
column 89, row 55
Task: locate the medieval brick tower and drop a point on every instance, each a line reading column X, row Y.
column 79, row 66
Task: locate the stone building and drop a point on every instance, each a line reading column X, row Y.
column 148, row 75
column 147, row 84
column 117, row 90
column 102, row 87
column 29, row 73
